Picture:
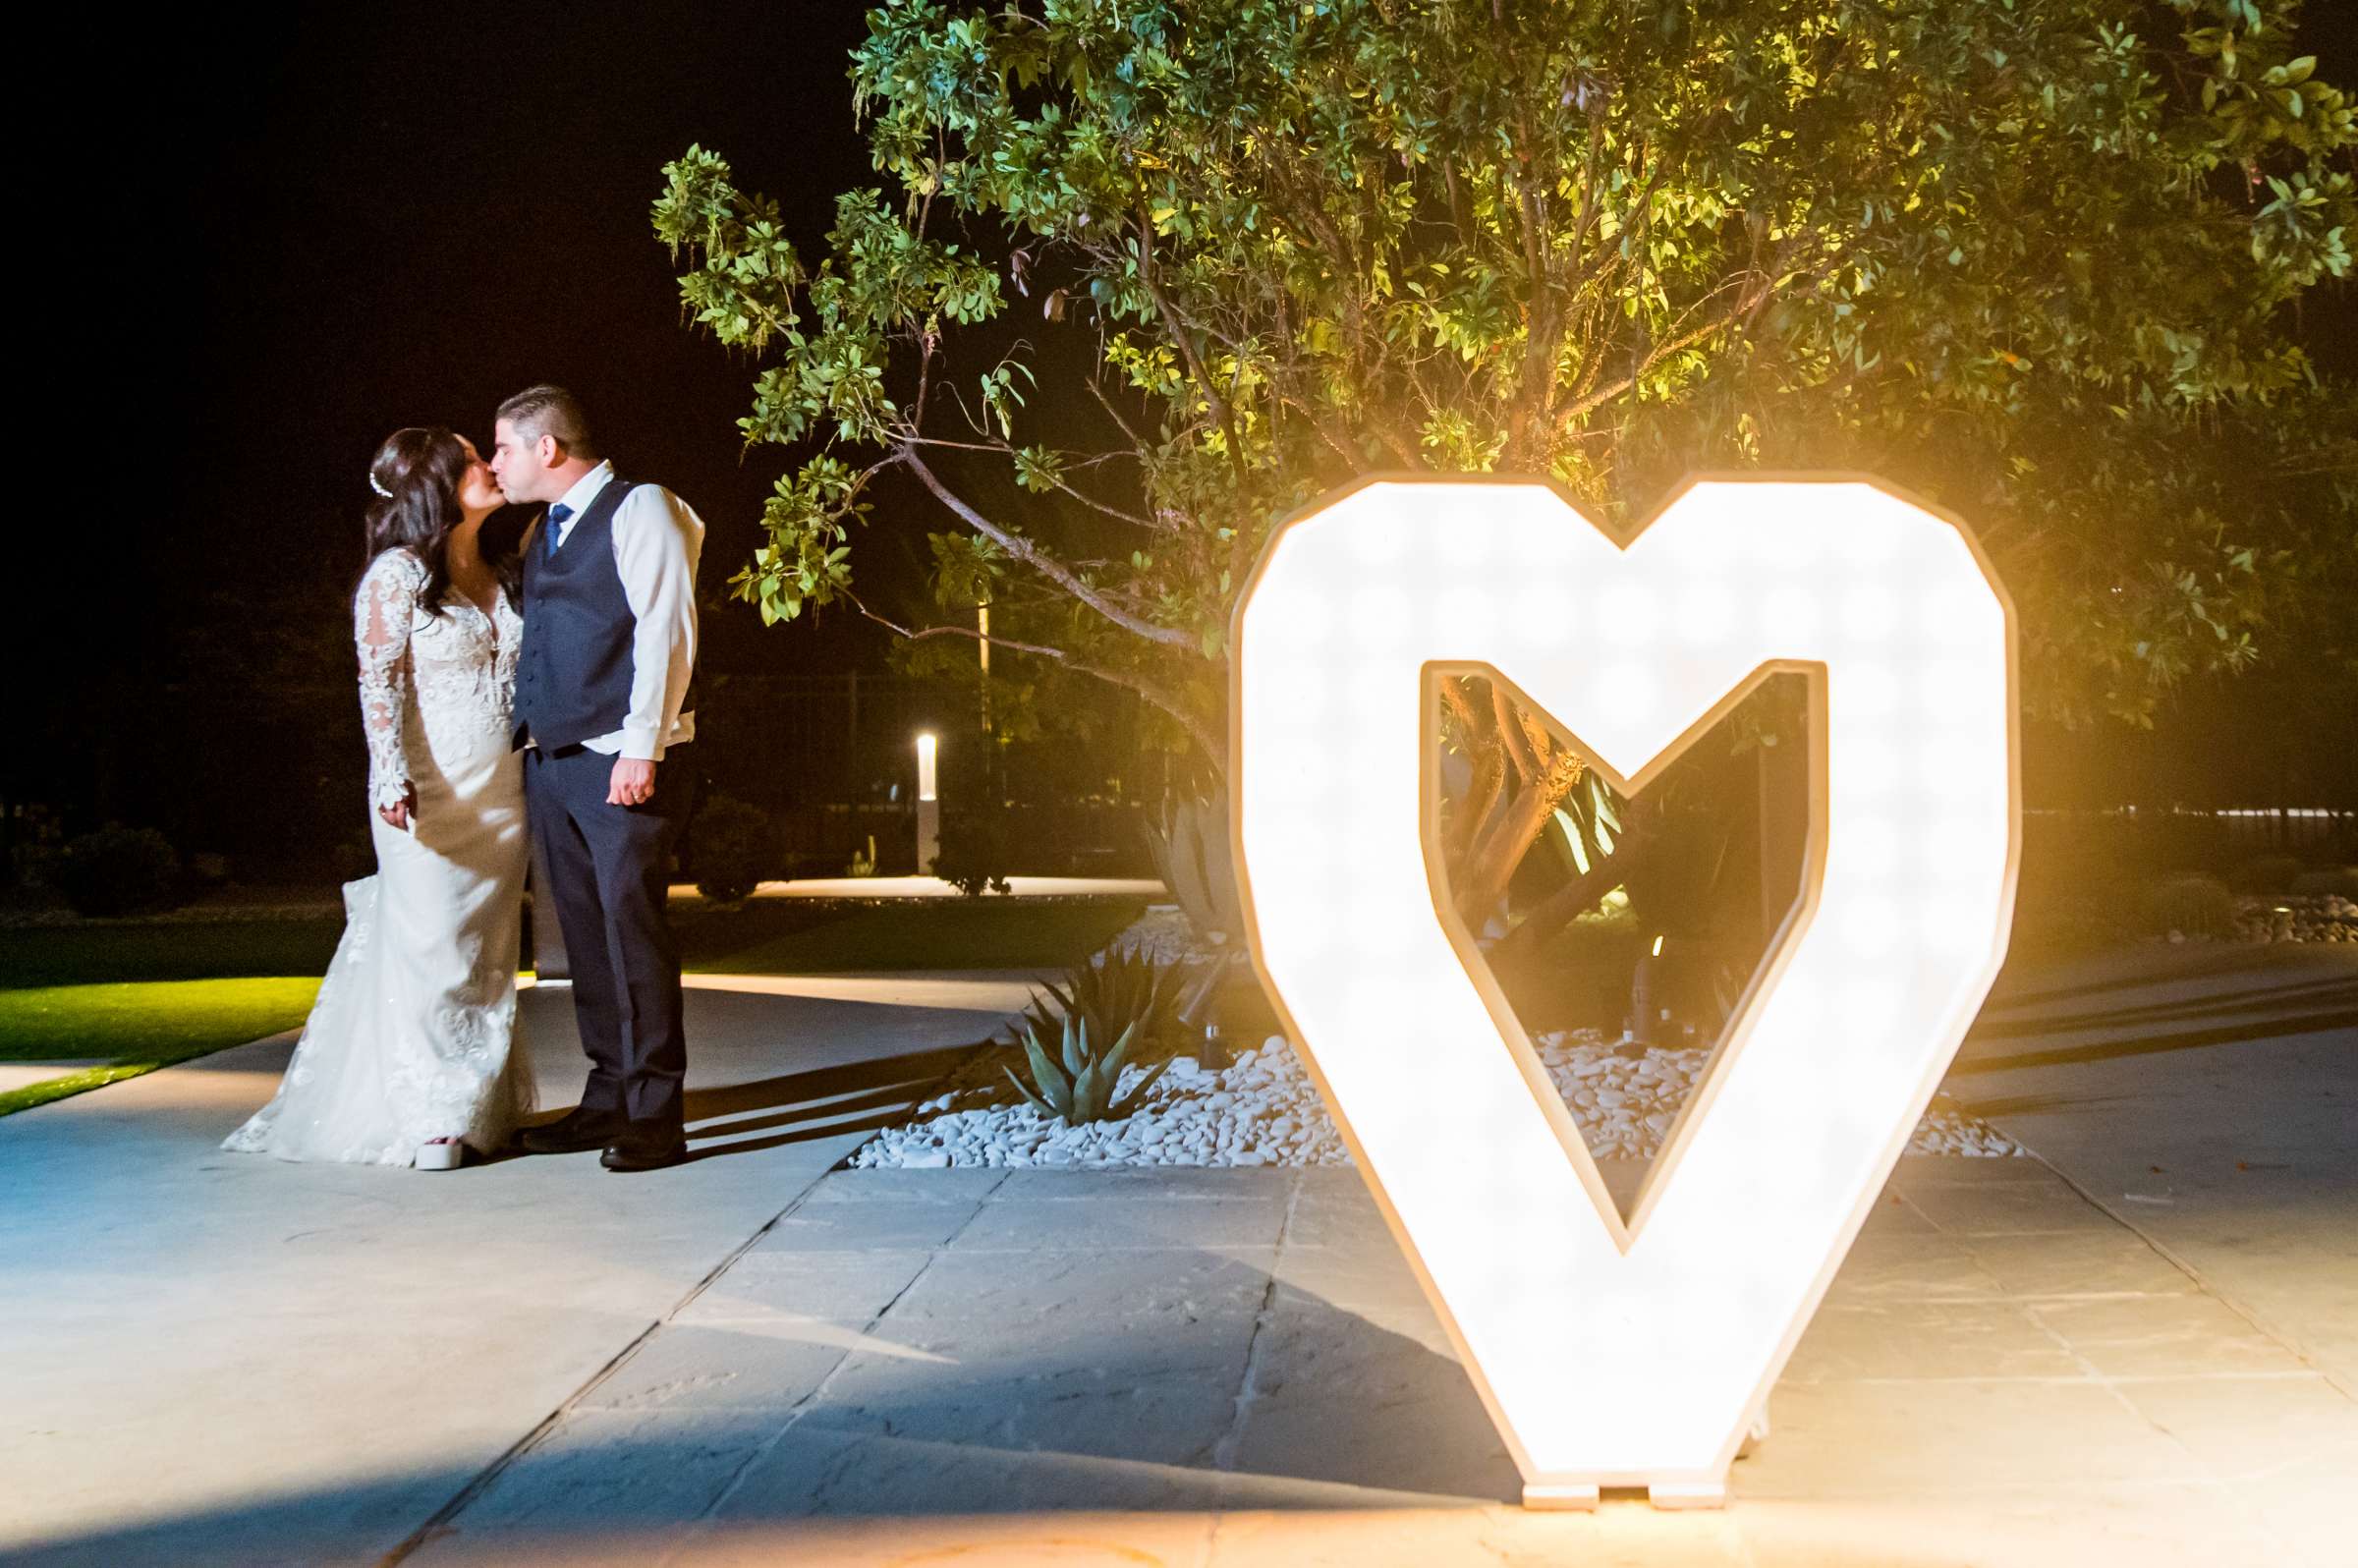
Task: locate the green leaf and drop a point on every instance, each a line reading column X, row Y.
column 1089, row 1095
column 1827, row 157
column 1110, row 1067
column 1572, row 840
column 1053, row 1087
column 1025, row 1089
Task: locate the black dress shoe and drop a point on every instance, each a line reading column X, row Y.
column 644, row 1149
column 576, row 1132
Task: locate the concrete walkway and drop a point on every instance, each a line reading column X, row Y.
column 188, row 1336
column 2210, row 1099
column 1233, row 1367
column 222, row 1360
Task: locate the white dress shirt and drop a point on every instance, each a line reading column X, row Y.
column 657, row 541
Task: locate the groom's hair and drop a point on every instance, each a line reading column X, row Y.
column 546, row 410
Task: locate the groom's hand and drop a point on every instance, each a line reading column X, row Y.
column 633, row 783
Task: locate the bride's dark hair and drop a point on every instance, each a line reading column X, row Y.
column 416, row 476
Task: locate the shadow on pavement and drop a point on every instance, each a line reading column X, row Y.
column 1341, row 1403
column 2335, row 993
column 2138, row 967
column 2276, row 1027
column 798, row 1108
column 820, row 1102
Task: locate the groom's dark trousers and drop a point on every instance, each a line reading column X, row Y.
column 609, row 876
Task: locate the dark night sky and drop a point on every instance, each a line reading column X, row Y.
column 353, row 218
column 275, row 235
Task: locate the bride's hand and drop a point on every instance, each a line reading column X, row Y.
column 401, row 812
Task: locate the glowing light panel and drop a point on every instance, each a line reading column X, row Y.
column 1635, row 1354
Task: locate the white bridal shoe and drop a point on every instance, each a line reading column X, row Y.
column 442, row 1155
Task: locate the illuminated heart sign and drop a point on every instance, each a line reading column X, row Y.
column 1637, row 1354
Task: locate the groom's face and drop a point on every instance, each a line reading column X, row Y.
column 518, row 460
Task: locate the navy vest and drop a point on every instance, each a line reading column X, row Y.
column 573, row 674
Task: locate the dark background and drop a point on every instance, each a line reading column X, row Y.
column 259, row 240
column 283, row 232
column 361, row 217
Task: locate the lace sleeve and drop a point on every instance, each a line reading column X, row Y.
column 380, row 631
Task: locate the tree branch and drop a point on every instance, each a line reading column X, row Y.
column 1185, row 344
column 1033, row 556
column 1151, row 525
column 1602, row 395
column 1215, row 748
column 1491, row 864
column 1572, row 900
column 1512, row 738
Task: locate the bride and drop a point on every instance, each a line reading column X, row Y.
column 405, row 1060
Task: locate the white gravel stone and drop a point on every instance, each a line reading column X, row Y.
column 1263, row 1110
column 2296, row 917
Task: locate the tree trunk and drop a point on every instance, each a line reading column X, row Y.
column 1490, row 864
column 1571, row 901
column 1486, row 844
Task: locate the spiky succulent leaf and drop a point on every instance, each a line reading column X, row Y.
column 1046, row 1014
column 1053, row 1087
column 1110, row 1065
column 1025, row 1089
column 1076, row 1044
column 1089, row 1095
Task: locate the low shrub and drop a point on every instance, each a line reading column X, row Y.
column 735, row 845
column 2057, row 923
column 2191, row 905
column 2267, row 873
column 2340, row 881
column 119, row 871
column 1113, row 993
column 974, row 853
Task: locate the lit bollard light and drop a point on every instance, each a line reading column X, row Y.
column 928, row 805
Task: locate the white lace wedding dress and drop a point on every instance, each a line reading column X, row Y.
column 409, row 1040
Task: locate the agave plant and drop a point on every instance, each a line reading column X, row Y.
column 1190, row 855
column 1113, row 991
column 1082, row 1091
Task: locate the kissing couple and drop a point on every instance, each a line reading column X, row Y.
column 548, row 694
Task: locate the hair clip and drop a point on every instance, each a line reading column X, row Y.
column 377, row 487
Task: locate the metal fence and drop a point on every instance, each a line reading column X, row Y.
column 276, row 779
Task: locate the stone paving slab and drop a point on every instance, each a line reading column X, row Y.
column 2205, row 1098
column 1233, row 1367
column 223, row 1358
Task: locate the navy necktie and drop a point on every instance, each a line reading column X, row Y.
column 557, row 515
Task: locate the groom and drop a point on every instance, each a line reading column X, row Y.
column 609, row 642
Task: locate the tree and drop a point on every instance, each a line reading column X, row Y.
column 2036, row 261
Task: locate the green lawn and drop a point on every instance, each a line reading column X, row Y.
column 138, row 1027
column 146, row 996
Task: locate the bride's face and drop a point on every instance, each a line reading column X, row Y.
column 478, row 489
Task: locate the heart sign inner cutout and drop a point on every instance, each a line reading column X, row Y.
column 1630, row 1354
